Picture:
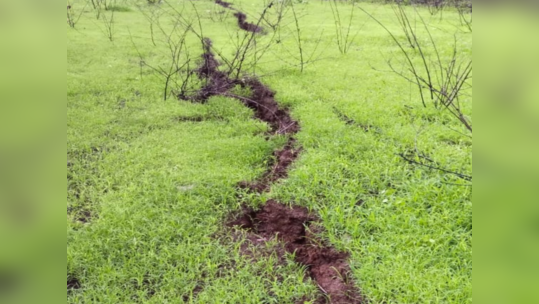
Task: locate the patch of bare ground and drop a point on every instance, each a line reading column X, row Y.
column 223, row 3
column 247, row 26
column 73, row 283
column 217, row 82
column 294, row 227
column 262, row 100
column 194, row 293
column 267, row 109
column 242, row 18
column 278, row 169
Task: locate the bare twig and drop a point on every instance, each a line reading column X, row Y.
column 108, row 22
column 72, row 18
column 465, row 15
column 298, row 32
column 411, row 161
column 179, row 57
column 247, row 44
column 300, row 56
column 444, row 81
column 344, row 41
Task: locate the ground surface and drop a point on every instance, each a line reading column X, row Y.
column 152, row 184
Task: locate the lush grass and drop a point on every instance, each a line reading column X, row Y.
column 157, row 186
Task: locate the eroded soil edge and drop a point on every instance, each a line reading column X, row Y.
column 296, row 228
column 293, row 226
column 242, row 18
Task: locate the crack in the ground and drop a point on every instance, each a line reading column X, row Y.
column 278, row 169
column 327, row 266
column 223, row 3
column 242, row 18
column 294, row 226
column 247, row 26
column 73, row 283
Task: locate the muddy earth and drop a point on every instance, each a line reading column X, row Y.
column 295, row 227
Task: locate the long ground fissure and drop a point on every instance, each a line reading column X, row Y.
column 242, row 18
column 295, row 227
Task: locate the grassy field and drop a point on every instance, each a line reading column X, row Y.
column 150, row 182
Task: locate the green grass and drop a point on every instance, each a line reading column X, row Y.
column 158, row 186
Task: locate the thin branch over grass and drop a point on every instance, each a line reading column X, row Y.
column 404, row 24
column 72, row 16
column 108, row 22
column 445, row 81
column 247, row 44
column 176, row 70
column 301, row 54
column 344, row 41
column 274, row 17
column 465, row 15
column 429, row 163
column 298, row 32
column 152, row 13
column 435, row 6
column 246, row 47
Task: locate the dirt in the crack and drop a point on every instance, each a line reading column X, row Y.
column 278, row 169
column 326, row 265
column 73, row 283
column 217, row 82
column 247, row 26
column 294, row 227
column 262, row 100
column 193, row 294
column 267, row 109
column 223, row 3
column 242, row 18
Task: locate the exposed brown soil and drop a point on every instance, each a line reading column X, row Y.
column 267, row 109
column 193, row 295
column 196, row 290
column 293, row 226
column 278, row 169
column 242, row 18
column 262, row 100
column 327, row 266
column 80, row 214
column 247, row 26
column 73, row 283
column 217, row 82
column 84, row 216
column 223, row 3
